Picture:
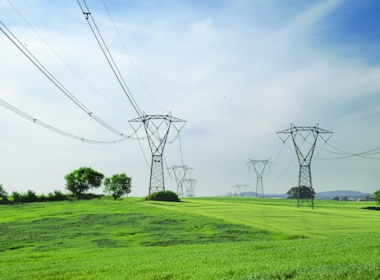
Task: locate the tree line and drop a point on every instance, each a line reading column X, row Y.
column 303, row 192
column 78, row 183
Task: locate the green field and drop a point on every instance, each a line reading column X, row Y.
column 199, row 238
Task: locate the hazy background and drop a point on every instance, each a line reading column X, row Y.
column 236, row 71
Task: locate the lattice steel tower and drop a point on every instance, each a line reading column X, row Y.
column 190, row 187
column 259, row 166
column 239, row 189
column 179, row 173
column 157, row 129
column 305, row 155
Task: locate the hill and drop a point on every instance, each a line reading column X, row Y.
column 354, row 195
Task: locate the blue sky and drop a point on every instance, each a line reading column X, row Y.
column 236, row 71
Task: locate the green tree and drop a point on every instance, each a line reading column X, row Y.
column 3, row 195
column 29, row 196
column 3, row 192
column 376, row 196
column 118, row 185
column 301, row 192
column 16, row 197
column 82, row 180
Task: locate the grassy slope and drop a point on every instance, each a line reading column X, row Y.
column 210, row 238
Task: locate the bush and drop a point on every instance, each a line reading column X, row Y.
column 4, row 200
column 57, row 195
column 163, row 196
column 16, row 197
column 29, row 196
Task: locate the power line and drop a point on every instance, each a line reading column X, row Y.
column 345, row 154
column 56, row 130
column 50, row 76
column 99, row 38
column 358, row 105
column 130, row 59
column 76, row 73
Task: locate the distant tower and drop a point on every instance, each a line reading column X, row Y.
column 305, row 155
column 239, row 189
column 180, row 172
column 259, row 166
column 189, row 185
column 157, row 129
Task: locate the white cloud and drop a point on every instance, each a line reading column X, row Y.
column 236, row 73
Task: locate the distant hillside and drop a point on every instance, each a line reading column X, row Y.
column 269, row 195
column 349, row 194
column 321, row 195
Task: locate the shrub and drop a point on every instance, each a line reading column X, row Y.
column 16, row 197
column 29, row 196
column 42, row 198
column 57, row 195
column 163, row 196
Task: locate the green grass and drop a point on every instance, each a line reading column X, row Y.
column 200, row 238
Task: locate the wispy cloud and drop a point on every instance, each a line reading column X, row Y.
column 236, row 71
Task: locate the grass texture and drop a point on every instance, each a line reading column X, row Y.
column 199, row 238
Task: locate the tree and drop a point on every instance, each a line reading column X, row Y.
column 301, row 192
column 16, row 197
column 3, row 193
column 118, row 185
column 29, row 196
column 82, row 180
column 376, row 196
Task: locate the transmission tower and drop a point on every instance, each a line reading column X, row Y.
column 179, row 173
column 157, row 129
column 259, row 166
column 305, row 155
column 190, row 187
column 239, row 189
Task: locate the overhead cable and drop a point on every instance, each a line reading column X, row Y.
column 343, row 154
column 56, row 130
column 130, row 59
column 50, row 76
column 76, row 73
column 99, row 38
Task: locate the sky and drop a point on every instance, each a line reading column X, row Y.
column 237, row 72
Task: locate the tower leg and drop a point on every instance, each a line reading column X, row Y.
column 156, row 175
column 259, row 187
column 305, row 187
